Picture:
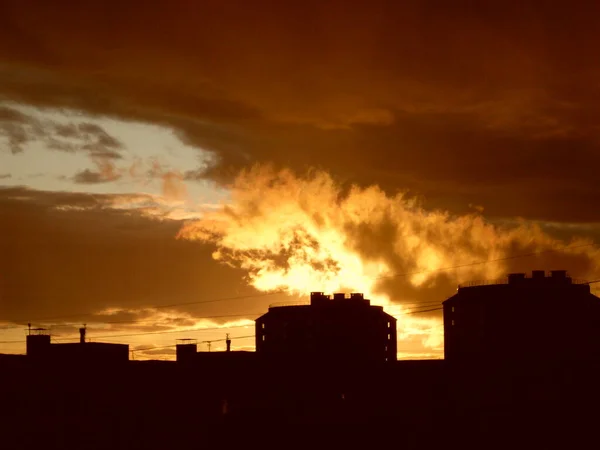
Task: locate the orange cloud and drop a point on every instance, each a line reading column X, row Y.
column 309, row 233
column 306, row 234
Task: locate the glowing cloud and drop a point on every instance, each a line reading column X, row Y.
column 305, row 234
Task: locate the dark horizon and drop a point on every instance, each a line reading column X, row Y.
column 177, row 169
column 311, row 371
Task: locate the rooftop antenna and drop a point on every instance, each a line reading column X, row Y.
column 209, row 344
column 228, row 342
column 29, row 327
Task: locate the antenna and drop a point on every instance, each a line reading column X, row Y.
column 209, row 343
column 228, row 342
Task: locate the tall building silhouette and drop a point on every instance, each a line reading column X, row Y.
column 523, row 318
column 337, row 329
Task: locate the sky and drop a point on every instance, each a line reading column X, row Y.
column 168, row 171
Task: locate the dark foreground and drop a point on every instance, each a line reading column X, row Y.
column 412, row 404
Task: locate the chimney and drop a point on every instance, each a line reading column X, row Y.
column 228, row 342
column 82, row 335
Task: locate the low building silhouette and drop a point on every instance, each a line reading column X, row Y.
column 337, row 329
column 528, row 319
column 40, row 348
column 167, row 404
column 186, row 353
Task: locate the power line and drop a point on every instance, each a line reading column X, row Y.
column 170, row 346
column 152, row 348
column 523, row 255
column 414, row 311
column 421, row 303
column 133, row 322
column 505, row 258
column 155, row 332
column 192, row 330
column 427, row 310
column 223, row 299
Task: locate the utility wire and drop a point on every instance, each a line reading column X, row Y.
column 409, row 312
column 223, row 299
column 523, row 255
column 190, row 330
column 424, row 311
column 476, row 263
column 158, row 332
column 134, row 322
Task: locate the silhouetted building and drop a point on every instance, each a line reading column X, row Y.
column 37, row 342
column 185, row 350
column 337, row 329
column 40, row 348
column 187, row 353
column 525, row 319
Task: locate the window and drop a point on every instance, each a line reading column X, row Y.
column 386, row 348
column 452, row 323
column 389, row 337
column 263, row 337
column 453, row 309
column 263, row 325
column 389, row 324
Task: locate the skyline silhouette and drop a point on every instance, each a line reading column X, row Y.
column 278, row 216
column 344, row 326
column 483, row 387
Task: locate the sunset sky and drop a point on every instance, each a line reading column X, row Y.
column 170, row 166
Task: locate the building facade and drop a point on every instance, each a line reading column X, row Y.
column 40, row 348
column 332, row 329
column 524, row 318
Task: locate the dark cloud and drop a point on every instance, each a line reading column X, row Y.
column 5, row 175
column 63, row 254
column 89, row 177
column 99, row 136
column 67, row 131
column 12, row 115
column 16, row 135
column 19, row 129
column 493, row 104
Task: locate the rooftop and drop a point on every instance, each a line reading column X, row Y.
column 319, row 298
column 537, row 278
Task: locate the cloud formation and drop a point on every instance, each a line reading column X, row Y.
column 20, row 128
column 308, row 233
column 488, row 104
column 411, row 112
column 62, row 254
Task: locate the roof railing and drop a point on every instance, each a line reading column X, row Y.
column 505, row 281
column 296, row 303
